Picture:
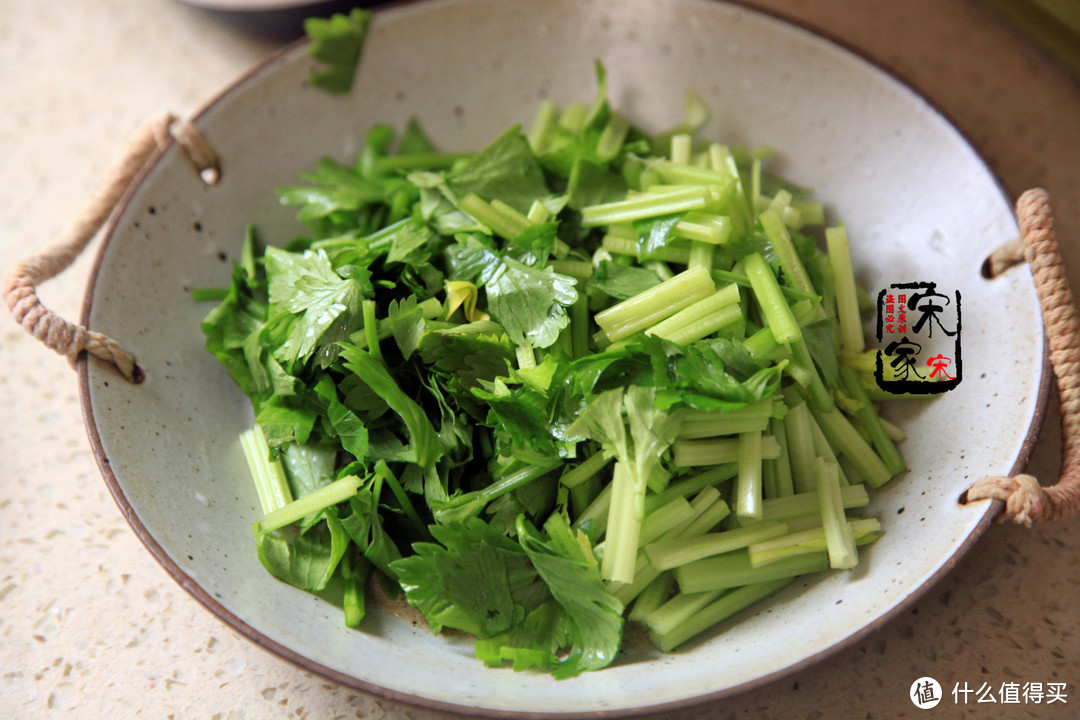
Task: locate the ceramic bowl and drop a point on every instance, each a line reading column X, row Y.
column 918, row 202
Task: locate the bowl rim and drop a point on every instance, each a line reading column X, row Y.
column 992, row 509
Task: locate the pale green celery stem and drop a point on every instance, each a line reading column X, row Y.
column 579, row 269
column 788, row 257
column 511, row 215
column 771, row 300
column 810, row 540
column 587, row 468
column 894, row 431
column 820, row 397
column 692, row 485
column 546, row 114
column 838, row 536
column 735, row 570
column 526, row 358
column 706, row 326
column 872, row 422
column 622, row 246
column 822, row 448
column 678, row 610
column 800, row 504
column 326, row 496
column 661, row 269
column 371, row 329
column 648, row 206
column 768, row 478
column 758, row 409
column 624, row 527
column 271, row 484
column 612, row 137
column 784, row 483
column 721, row 160
column 681, row 147
column 597, row 512
column 581, row 496
column 704, row 227
column 718, row 451
column 719, row 610
column 755, row 186
column 676, row 513
column 800, row 447
column 748, row 490
column 500, row 222
column 701, row 254
column 847, row 441
column 721, row 426
column 652, row 597
column 653, row 305
column 722, row 298
column 573, row 117
column 671, row 553
column 538, row 213
column 847, row 301
column 813, row 213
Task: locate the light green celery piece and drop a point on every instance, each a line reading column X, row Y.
column 894, row 431
column 812, row 212
column 677, row 610
column 315, row 501
column 734, row 570
column 718, row 451
column 700, row 310
column 587, row 468
column 647, row 206
column 675, row 514
column 671, row 553
column 800, row 440
column 720, row 426
column 820, row 397
column 761, row 408
column 807, row 541
column 580, row 269
column 768, row 478
column 597, row 512
column 510, row 214
column 785, row 485
column 271, row 484
column 682, row 144
column 872, row 422
column 847, row 441
column 748, row 485
column 720, row 609
column 806, row 503
column 847, row 303
column 622, row 246
column 612, row 137
column 704, row 227
column 573, row 117
column 538, row 213
column 579, row 325
column 545, row 118
column 652, row 597
column 701, row 254
column 429, row 309
column 771, row 300
column 500, row 223
column 623, row 529
column 788, row 256
column 655, row 304
column 692, row 485
column 644, row 575
column 843, row 554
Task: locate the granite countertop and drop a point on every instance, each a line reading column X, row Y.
column 91, row 626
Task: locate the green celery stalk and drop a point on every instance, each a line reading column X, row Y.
column 587, row 468
column 719, row 610
column 677, row 610
column 774, row 306
column 810, row 540
column 271, row 484
column 788, row 257
column 848, row 442
column 785, row 485
column 315, row 501
column 675, row 514
column 806, row 503
column 653, row 305
column 800, row 447
column 748, row 490
column 872, row 422
column 652, row 597
column 838, row 536
column 673, row 552
column 847, row 303
column 734, row 570
column 717, row 451
column 623, row 246
column 647, row 206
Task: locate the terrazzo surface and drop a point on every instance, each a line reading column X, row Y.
column 92, row 627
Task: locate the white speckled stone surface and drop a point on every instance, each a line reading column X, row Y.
column 91, row 626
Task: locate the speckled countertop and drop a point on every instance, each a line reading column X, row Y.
column 92, row 627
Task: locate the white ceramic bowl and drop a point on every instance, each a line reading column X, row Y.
column 918, row 202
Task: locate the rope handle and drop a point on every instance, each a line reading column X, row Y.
column 1026, row 501
column 20, row 284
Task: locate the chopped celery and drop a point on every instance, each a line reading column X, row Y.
column 838, row 536
column 720, row 609
column 671, row 553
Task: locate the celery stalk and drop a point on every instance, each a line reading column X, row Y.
column 847, row 304
column 838, row 536
column 677, row 610
column 775, row 308
column 719, row 610
column 332, row 494
column 655, row 304
column 734, row 570
column 671, row 553
column 806, row 503
column 748, row 491
column 586, row 468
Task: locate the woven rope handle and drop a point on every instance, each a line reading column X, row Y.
column 20, row 284
column 1026, row 501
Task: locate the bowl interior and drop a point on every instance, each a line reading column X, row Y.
column 919, row 205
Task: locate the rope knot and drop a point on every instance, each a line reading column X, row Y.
column 1024, row 498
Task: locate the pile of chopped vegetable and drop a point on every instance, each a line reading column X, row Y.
column 582, row 376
